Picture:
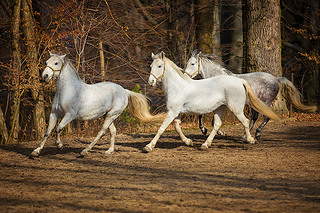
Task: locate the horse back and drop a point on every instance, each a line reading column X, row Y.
column 264, row 85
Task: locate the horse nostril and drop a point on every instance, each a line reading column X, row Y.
column 151, row 81
column 45, row 76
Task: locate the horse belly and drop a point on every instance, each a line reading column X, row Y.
column 102, row 99
column 203, row 105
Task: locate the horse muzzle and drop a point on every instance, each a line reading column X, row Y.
column 46, row 77
column 152, row 81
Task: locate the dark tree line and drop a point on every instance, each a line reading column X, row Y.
column 112, row 41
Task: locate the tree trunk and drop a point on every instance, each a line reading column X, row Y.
column 102, row 64
column 170, row 10
column 205, row 26
column 3, row 128
column 311, row 87
column 263, row 36
column 16, row 68
column 263, row 39
column 236, row 52
column 208, row 29
column 216, row 24
column 32, row 63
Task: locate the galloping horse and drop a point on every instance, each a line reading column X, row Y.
column 185, row 95
column 74, row 99
column 265, row 85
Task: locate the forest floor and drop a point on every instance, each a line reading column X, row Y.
column 281, row 173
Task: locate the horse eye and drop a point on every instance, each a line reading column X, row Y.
column 192, row 64
column 56, row 63
column 159, row 66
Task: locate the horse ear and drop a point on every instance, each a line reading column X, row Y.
column 51, row 54
column 194, row 52
column 162, row 55
column 153, row 56
column 199, row 53
column 62, row 57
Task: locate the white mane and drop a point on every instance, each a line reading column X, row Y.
column 67, row 62
column 212, row 63
column 176, row 68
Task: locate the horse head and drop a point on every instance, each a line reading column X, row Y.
column 157, row 68
column 193, row 64
column 54, row 66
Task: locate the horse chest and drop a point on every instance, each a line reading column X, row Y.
column 66, row 100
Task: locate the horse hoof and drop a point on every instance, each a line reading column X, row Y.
column 243, row 138
column 204, row 130
column 84, row 153
column 203, row 147
column 258, row 136
column 189, row 142
column 221, row 133
column 147, row 149
column 251, row 141
column 108, row 153
column 35, row 153
column 60, row 147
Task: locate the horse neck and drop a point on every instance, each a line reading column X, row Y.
column 210, row 69
column 172, row 80
column 68, row 77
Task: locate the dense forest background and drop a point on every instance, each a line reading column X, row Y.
column 110, row 40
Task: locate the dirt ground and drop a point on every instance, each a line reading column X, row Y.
column 279, row 174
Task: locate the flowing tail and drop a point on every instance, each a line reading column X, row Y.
column 293, row 95
column 139, row 108
column 257, row 104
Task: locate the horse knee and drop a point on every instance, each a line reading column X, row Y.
column 58, row 130
column 177, row 121
column 217, row 124
column 258, row 134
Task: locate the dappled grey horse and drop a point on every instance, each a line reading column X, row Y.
column 74, row 99
column 265, row 85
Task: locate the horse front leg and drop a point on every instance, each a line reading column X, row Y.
column 67, row 118
column 52, row 123
column 164, row 125
column 202, row 128
column 219, row 132
column 177, row 126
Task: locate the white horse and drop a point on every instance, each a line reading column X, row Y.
column 185, row 95
column 74, row 99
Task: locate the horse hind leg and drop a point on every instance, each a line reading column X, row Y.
column 108, row 122
column 217, row 124
column 113, row 132
column 258, row 131
column 245, row 122
column 254, row 118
